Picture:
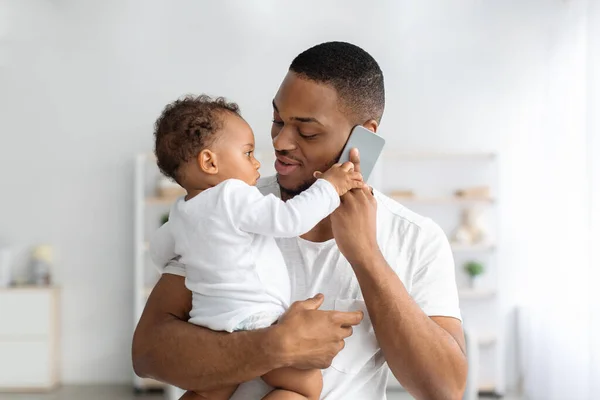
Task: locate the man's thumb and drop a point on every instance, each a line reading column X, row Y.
column 314, row 302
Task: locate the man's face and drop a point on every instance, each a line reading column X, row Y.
column 309, row 132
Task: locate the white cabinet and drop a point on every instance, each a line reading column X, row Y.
column 28, row 339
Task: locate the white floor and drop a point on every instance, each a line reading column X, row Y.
column 126, row 393
column 401, row 395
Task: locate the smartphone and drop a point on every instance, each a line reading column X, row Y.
column 369, row 146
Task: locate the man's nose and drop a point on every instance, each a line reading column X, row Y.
column 284, row 140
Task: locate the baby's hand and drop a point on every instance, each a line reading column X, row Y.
column 342, row 177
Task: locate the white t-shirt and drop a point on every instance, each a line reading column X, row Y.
column 225, row 238
column 414, row 246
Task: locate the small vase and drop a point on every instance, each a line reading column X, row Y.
column 474, row 282
column 5, row 260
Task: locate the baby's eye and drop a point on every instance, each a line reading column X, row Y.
column 249, row 153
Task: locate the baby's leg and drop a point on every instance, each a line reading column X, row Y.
column 292, row 384
column 219, row 394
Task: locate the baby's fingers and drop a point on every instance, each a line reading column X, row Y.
column 357, row 176
column 357, row 184
column 348, row 166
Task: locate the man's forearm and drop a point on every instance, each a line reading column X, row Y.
column 424, row 357
column 167, row 348
column 225, row 359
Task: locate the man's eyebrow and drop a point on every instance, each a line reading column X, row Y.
column 307, row 119
column 299, row 119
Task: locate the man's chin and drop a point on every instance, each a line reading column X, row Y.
column 291, row 188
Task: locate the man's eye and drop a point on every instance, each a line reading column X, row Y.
column 307, row 137
column 280, row 123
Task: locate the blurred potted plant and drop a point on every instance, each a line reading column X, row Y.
column 474, row 269
column 164, row 218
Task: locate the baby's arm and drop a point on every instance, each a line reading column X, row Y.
column 292, row 383
column 162, row 246
column 270, row 216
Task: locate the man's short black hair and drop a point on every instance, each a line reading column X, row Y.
column 186, row 127
column 351, row 71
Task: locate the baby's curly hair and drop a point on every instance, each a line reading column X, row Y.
column 185, row 127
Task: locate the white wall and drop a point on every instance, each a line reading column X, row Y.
column 593, row 120
column 82, row 82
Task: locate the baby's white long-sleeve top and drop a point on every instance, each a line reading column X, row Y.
column 225, row 238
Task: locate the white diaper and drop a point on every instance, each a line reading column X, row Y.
column 258, row 321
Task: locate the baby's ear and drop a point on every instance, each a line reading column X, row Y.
column 207, row 162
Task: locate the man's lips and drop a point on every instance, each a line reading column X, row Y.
column 286, row 160
column 285, row 165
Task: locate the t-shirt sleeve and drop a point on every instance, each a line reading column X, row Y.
column 434, row 283
column 268, row 215
column 162, row 249
column 175, row 268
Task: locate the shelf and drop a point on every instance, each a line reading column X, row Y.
column 23, row 338
column 428, row 155
column 472, row 248
column 23, row 288
column 440, row 200
column 160, row 200
column 147, row 383
column 488, row 389
column 487, row 340
column 476, row 294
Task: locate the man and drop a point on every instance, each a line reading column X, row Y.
column 371, row 254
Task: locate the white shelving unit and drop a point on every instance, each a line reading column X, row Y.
column 440, row 200
column 433, row 177
column 484, row 247
column 475, row 294
column 145, row 203
column 438, row 155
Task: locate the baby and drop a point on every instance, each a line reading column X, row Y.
column 223, row 230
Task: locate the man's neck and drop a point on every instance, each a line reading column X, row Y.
column 322, row 232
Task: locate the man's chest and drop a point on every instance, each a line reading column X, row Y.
column 318, row 268
column 321, row 268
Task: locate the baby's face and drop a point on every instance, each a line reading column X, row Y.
column 235, row 151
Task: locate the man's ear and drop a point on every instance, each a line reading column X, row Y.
column 207, row 162
column 371, row 125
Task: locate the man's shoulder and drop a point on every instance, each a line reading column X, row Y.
column 395, row 217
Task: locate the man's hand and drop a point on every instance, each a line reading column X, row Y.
column 354, row 222
column 311, row 338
